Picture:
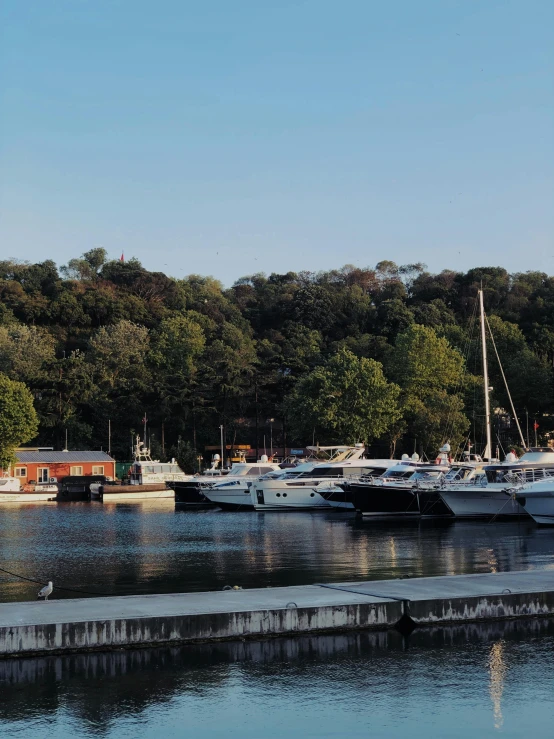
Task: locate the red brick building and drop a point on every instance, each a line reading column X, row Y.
column 49, row 466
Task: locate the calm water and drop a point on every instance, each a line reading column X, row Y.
column 452, row 682
column 154, row 548
column 456, row 682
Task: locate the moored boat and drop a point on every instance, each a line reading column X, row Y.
column 339, row 495
column 537, row 498
column 233, row 492
column 394, row 494
column 11, row 491
column 489, row 495
column 148, row 479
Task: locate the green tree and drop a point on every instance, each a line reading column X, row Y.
column 18, row 419
column 346, row 400
column 432, row 377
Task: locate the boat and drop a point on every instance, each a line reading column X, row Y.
column 147, row 480
column 537, row 498
column 231, row 493
column 338, row 493
column 296, row 489
column 489, row 495
column 394, row 494
column 11, row 491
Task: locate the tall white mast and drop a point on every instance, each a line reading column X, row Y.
column 488, row 448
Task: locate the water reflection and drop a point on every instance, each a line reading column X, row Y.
column 381, row 680
column 497, row 667
column 131, row 549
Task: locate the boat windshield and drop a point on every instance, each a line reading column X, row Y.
column 458, row 473
column 426, row 474
column 241, row 470
column 398, row 474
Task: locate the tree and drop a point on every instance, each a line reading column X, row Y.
column 432, row 377
column 346, row 400
column 18, row 419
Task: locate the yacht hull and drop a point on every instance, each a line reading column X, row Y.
column 481, row 503
column 190, row 494
column 23, row 497
column 271, row 497
column 339, row 497
column 126, row 493
column 238, row 499
column 539, row 507
column 385, row 501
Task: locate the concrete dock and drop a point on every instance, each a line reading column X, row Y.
column 84, row 624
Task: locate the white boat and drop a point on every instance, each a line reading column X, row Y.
column 233, row 492
column 11, row 491
column 537, row 498
column 148, row 480
column 296, row 489
column 489, row 495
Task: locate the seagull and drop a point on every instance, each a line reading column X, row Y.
column 46, row 590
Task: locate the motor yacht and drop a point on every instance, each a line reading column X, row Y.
column 394, row 494
column 296, row 489
column 488, row 495
column 338, row 493
column 233, row 493
column 230, row 487
column 537, row 498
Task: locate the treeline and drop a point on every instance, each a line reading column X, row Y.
column 389, row 355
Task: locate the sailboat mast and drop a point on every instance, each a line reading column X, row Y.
column 488, row 450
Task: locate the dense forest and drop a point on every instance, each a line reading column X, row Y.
column 389, row 356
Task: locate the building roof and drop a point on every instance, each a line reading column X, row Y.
column 61, row 457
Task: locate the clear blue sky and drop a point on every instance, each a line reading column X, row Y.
column 228, row 137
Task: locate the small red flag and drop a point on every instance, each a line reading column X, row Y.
column 535, row 425
column 122, row 257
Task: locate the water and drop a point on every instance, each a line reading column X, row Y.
column 487, row 680
column 154, row 548
column 482, row 681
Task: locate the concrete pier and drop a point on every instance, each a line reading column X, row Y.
column 86, row 624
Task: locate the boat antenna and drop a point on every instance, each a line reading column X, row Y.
column 525, row 446
column 488, row 448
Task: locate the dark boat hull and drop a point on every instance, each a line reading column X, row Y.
column 341, row 497
column 190, row 494
column 382, row 501
column 431, row 505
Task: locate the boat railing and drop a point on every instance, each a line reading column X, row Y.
column 520, row 479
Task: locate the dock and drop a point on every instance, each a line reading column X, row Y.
column 105, row 623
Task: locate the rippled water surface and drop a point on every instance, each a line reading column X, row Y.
column 154, row 548
column 477, row 681
column 488, row 680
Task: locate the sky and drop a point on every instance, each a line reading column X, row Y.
column 226, row 138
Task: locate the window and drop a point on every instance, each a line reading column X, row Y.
column 43, row 474
column 21, row 471
column 78, row 471
column 98, row 470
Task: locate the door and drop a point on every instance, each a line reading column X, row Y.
column 42, row 474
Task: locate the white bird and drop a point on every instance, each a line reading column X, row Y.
column 46, row 590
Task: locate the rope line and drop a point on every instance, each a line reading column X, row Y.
column 58, row 587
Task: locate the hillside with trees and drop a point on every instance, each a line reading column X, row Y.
column 389, row 356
